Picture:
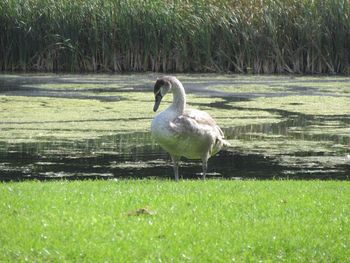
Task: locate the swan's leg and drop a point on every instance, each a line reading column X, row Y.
column 205, row 159
column 176, row 160
column 204, row 167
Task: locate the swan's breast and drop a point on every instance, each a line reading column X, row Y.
column 165, row 136
column 160, row 125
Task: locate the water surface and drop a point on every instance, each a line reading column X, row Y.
column 287, row 145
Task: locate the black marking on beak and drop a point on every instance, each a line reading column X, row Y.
column 158, row 96
column 158, row 85
column 158, row 99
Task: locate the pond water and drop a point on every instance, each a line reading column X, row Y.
column 48, row 141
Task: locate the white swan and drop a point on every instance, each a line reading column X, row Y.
column 182, row 131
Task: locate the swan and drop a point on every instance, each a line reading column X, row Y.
column 181, row 131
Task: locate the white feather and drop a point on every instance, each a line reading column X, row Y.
column 186, row 132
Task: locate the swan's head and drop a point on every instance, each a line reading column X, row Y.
column 162, row 87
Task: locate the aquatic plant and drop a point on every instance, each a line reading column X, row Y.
column 133, row 35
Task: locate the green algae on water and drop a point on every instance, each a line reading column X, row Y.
column 312, row 105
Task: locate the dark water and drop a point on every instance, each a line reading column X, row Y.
column 145, row 161
column 135, row 155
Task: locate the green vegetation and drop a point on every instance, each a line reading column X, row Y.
column 249, row 88
column 193, row 221
column 333, row 86
column 336, row 128
column 282, row 145
column 160, row 220
column 96, row 115
column 77, row 110
column 43, row 118
column 312, row 105
column 54, row 118
column 198, row 35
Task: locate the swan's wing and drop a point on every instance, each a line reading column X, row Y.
column 183, row 126
column 200, row 116
column 196, row 134
column 203, row 118
column 195, row 122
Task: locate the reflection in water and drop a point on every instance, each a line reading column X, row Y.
column 122, row 156
column 135, row 155
column 295, row 127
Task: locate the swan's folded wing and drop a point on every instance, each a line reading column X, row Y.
column 203, row 118
column 184, row 125
column 200, row 116
column 195, row 122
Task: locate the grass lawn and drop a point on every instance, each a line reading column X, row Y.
column 211, row 221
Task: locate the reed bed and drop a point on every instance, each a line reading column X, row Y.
column 265, row 36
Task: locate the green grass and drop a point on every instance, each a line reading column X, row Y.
column 134, row 35
column 195, row 221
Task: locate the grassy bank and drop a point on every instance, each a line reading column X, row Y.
column 255, row 36
column 218, row 221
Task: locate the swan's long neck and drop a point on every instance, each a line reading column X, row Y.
column 179, row 96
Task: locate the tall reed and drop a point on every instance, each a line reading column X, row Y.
column 260, row 36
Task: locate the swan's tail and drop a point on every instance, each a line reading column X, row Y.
column 221, row 143
column 225, row 144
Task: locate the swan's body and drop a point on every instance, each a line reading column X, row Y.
column 184, row 132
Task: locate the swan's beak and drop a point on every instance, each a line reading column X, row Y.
column 157, row 101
